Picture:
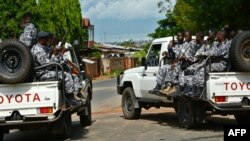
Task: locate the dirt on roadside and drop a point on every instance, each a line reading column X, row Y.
column 102, row 78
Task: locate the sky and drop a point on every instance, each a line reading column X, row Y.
column 121, row 20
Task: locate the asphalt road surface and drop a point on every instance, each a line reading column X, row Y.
column 109, row 124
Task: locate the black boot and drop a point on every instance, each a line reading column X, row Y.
column 156, row 89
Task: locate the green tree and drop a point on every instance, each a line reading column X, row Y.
column 11, row 15
column 200, row 15
column 61, row 17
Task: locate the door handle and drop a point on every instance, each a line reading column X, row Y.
column 144, row 74
column 154, row 74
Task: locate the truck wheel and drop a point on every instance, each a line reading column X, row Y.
column 128, row 108
column 186, row 113
column 1, row 135
column 66, row 125
column 16, row 62
column 86, row 115
column 240, row 52
column 242, row 118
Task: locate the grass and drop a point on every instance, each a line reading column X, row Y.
column 114, row 73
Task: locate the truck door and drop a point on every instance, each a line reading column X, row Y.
column 148, row 77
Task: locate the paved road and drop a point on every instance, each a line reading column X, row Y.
column 109, row 125
column 105, row 95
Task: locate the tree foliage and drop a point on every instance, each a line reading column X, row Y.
column 200, row 15
column 59, row 17
column 11, row 15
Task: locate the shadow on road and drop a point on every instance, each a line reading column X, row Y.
column 44, row 135
column 171, row 119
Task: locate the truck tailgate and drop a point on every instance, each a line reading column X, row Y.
column 228, row 87
column 28, row 98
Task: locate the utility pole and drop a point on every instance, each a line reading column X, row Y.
column 104, row 37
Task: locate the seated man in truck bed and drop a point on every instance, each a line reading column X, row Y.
column 42, row 58
column 220, row 54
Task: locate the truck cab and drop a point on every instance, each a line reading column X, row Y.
column 225, row 93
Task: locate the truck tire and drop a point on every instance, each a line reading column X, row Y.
column 240, row 52
column 1, row 135
column 86, row 115
column 128, row 108
column 16, row 62
column 242, row 118
column 186, row 113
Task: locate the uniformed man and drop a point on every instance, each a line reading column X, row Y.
column 163, row 76
column 29, row 33
column 42, row 58
column 220, row 55
column 186, row 80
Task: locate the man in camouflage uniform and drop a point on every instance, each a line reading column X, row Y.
column 184, row 57
column 198, row 59
column 29, row 33
column 220, row 54
column 42, row 58
column 186, row 80
column 164, row 72
column 59, row 57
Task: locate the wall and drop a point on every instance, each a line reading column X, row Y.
column 107, row 65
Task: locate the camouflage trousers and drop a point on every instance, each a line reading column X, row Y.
column 161, row 76
column 69, row 81
column 77, row 83
column 188, row 79
column 199, row 76
column 175, row 75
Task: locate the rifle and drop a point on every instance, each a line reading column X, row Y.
column 173, row 41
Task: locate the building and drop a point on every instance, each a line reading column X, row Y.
column 110, row 51
column 90, row 28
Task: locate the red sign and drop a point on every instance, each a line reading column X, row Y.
column 19, row 98
column 237, row 86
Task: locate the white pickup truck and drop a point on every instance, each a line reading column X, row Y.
column 29, row 104
column 225, row 92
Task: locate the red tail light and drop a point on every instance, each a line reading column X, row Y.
column 220, row 98
column 46, row 110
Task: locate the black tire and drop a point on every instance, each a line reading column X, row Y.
column 66, row 125
column 16, row 63
column 186, row 113
column 86, row 115
column 128, row 108
column 242, row 118
column 1, row 135
column 240, row 52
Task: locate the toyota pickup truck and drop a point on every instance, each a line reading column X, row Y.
column 27, row 103
column 225, row 93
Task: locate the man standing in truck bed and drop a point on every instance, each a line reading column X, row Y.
column 29, row 33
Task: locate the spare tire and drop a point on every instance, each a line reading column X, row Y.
column 16, row 63
column 240, row 52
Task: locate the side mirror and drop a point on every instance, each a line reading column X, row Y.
column 144, row 63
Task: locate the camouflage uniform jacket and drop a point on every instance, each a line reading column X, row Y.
column 29, row 34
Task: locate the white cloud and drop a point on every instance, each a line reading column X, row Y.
column 123, row 10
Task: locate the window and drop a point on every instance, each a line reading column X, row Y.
column 154, row 55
